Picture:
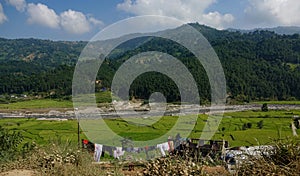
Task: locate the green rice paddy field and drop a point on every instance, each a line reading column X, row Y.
column 239, row 128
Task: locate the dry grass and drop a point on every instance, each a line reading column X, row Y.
column 65, row 159
column 284, row 159
column 59, row 160
column 185, row 165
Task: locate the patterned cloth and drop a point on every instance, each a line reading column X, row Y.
column 118, row 152
column 98, row 152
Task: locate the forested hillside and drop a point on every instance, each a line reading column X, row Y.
column 258, row 65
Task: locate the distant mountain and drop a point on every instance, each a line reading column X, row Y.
column 258, row 65
column 45, row 53
column 282, row 30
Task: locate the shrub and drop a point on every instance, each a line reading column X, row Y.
column 59, row 159
column 283, row 159
column 244, row 127
column 9, row 144
column 264, row 107
column 260, row 124
column 249, row 125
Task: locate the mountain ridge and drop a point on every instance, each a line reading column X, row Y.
column 259, row 65
column 282, row 30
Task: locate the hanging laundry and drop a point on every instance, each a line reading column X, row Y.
column 109, row 149
column 171, row 144
column 160, row 147
column 166, row 146
column 146, row 148
column 163, row 147
column 98, row 152
column 85, row 141
column 86, row 144
column 137, row 149
column 128, row 149
column 118, row 152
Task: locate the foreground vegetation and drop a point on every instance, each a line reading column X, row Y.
column 57, row 158
column 284, row 159
column 63, row 158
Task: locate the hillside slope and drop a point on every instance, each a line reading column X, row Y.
column 258, row 65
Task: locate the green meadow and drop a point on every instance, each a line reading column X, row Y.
column 278, row 102
column 239, row 128
column 101, row 97
column 42, row 132
column 37, row 104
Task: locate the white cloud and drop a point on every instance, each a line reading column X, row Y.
column 71, row 21
column 217, row 20
column 74, row 22
column 186, row 10
column 3, row 17
column 42, row 15
column 20, row 5
column 273, row 12
column 95, row 21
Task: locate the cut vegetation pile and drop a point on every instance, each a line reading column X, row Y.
column 284, row 159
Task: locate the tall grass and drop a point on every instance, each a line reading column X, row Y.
column 283, row 159
column 60, row 158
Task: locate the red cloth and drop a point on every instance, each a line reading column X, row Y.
column 85, row 141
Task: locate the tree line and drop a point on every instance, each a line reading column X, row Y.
column 259, row 65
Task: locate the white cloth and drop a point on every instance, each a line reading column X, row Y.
column 98, row 152
column 294, row 129
column 163, row 147
column 118, row 152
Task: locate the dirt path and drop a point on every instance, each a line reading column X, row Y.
column 19, row 173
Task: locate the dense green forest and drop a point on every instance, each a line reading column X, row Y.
column 259, row 65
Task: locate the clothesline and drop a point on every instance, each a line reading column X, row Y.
column 118, row 152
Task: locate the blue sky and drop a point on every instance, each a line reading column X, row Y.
column 80, row 20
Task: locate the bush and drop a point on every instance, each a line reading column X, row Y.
column 264, row 107
column 59, row 159
column 283, row 159
column 9, row 145
column 3, row 101
column 246, row 126
column 249, row 125
column 260, row 124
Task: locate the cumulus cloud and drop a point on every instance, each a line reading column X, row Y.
column 42, row 15
column 20, row 5
column 71, row 21
column 74, row 22
column 186, row 10
column 3, row 17
column 273, row 12
column 95, row 21
column 217, row 20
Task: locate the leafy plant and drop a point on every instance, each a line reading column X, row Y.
column 264, row 107
column 260, row 124
column 9, row 144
